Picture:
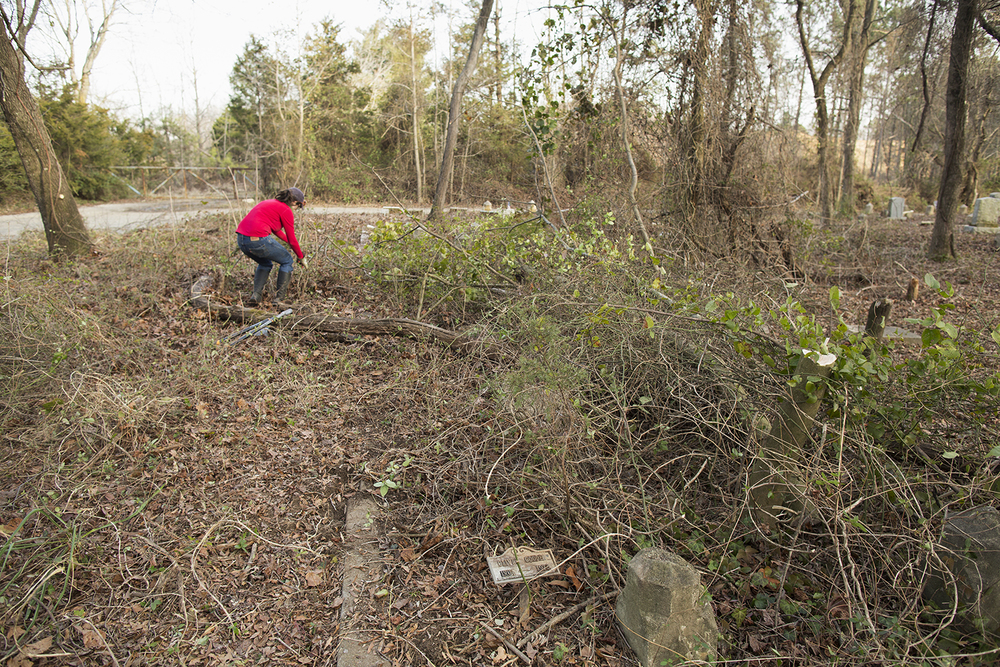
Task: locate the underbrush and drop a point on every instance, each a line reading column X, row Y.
column 151, row 469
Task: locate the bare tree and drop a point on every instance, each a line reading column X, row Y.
column 858, row 58
column 942, row 242
column 819, row 82
column 924, row 84
column 64, row 228
column 66, row 18
column 616, row 73
column 455, row 111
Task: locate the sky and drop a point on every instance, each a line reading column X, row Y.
column 156, row 49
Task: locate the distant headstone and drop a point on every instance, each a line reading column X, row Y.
column 869, row 208
column 963, row 210
column 930, row 210
column 664, row 611
column 897, row 207
column 986, row 213
column 995, row 195
column 970, row 550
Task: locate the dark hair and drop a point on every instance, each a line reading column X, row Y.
column 290, row 195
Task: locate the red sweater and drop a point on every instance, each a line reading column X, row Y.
column 271, row 216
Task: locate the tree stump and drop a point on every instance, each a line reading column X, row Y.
column 878, row 317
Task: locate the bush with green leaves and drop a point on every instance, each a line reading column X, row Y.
column 82, row 138
column 12, row 178
column 472, row 259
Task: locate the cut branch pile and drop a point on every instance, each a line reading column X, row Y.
column 344, row 327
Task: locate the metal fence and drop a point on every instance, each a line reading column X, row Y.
column 227, row 182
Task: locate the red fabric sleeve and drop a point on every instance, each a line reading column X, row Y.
column 288, row 222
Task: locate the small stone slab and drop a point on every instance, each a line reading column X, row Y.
column 354, row 650
column 972, row 229
column 892, row 333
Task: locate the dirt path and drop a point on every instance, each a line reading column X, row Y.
column 125, row 216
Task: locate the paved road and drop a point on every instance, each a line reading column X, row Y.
column 147, row 213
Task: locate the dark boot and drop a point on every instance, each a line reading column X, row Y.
column 260, row 277
column 284, row 277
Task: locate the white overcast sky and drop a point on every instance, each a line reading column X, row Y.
column 155, row 47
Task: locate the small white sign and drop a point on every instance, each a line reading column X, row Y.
column 519, row 564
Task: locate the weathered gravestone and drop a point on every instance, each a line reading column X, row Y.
column 969, row 580
column 664, row 611
column 963, row 210
column 986, row 212
column 897, row 207
column 869, row 208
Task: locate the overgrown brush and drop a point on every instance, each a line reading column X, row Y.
column 634, row 410
column 626, row 413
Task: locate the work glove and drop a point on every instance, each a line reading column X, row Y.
column 304, row 262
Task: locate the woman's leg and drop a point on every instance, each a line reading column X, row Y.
column 275, row 252
column 257, row 251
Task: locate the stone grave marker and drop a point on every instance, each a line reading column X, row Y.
column 986, row 212
column 897, row 207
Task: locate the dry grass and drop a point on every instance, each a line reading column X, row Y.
column 167, row 499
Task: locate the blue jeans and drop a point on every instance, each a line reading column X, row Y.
column 266, row 252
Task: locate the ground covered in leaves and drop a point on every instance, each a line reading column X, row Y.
column 171, row 499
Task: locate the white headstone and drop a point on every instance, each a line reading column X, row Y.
column 897, row 206
column 963, row 210
column 869, row 208
column 995, row 195
column 930, row 209
column 986, row 212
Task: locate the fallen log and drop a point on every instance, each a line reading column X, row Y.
column 345, row 326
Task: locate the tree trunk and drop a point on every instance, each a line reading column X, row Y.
column 970, row 183
column 626, row 136
column 819, row 81
column 64, row 228
column 860, row 52
column 96, row 43
column 924, row 85
column 497, row 59
column 698, row 132
column 416, row 116
column 455, row 112
column 942, row 242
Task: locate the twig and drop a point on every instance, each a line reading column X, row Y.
column 392, row 635
column 506, row 643
column 104, row 641
column 194, row 568
column 552, row 622
column 545, row 167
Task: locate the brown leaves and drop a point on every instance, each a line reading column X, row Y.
column 93, row 638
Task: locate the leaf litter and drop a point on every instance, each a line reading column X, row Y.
column 175, row 503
